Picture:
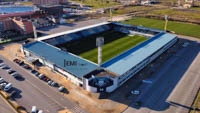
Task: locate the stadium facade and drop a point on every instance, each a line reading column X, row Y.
column 111, row 74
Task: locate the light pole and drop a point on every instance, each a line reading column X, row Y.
column 111, row 14
column 166, row 22
column 99, row 44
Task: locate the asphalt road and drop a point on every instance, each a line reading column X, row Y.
column 4, row 107
column 155, row 96
column 34, row 92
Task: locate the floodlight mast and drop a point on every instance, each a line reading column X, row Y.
column 34, row 31
column 99, row 44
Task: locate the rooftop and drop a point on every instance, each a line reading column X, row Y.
column 127, row 60
column 60, row 58
column 70, row 31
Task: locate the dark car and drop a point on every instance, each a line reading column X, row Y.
column 26, row 66
column 5, row 67
column 21, row 63
column 1, row 61
column 35, row 72
column 11, row 71
column 17, row 61
column 46, row 79
column 17, row 75
column 13, row 94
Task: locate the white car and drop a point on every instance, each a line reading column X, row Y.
column 34, row 109
column 40, row 111
column 7, row 87
column 61, row 89
column 135, row 92
column 1, row 80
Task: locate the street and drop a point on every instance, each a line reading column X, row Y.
column 34, row 92
column 162, row 95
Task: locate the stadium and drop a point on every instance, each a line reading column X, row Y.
column 127, row 49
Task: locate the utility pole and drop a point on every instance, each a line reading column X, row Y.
column 166, row 22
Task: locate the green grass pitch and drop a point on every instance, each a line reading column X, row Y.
column 114, row 44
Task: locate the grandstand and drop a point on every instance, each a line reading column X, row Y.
column 127, row 50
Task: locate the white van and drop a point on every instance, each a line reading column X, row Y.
column 8, row 87
column 34, row 109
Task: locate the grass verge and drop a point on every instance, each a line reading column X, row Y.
column 180, row 28
column 95, row 4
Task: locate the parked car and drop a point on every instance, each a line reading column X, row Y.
column 34, row 109
column 35, row 72
column 46, row 79
column 26, row 66
column 1, row 80
column 16, row 61
column 5, row 67
column 1, row 61
column 2, row 85
column 41, row 76
column 54, row 84
column 21, row 63
column 10, row 71
column 16, row 75
column 8, row 87
column 61, row 88
column 40, row 111
column 50, row 82
column 2, row 64
column 12, row 94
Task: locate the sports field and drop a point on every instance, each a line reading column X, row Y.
column 179, row 28
column 114, row 44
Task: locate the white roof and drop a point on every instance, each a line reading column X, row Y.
column 134, row 56
column 70, row 31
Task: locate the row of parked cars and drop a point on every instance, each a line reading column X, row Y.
column 39, row 75
column 4, row 85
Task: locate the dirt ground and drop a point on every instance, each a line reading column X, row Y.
column 86, row 100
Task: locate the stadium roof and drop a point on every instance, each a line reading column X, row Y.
column 70, row 31
column 57, row 56
column 134, row 56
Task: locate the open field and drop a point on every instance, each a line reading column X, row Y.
column 115, row 43
column 180, row 28
column 192, row 13
column 95, row 4
column 195, row 8
column 126, row 10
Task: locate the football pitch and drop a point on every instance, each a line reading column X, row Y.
column 114, row 43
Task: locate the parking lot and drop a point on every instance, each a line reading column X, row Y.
column 31, row 91
column 173, row 86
